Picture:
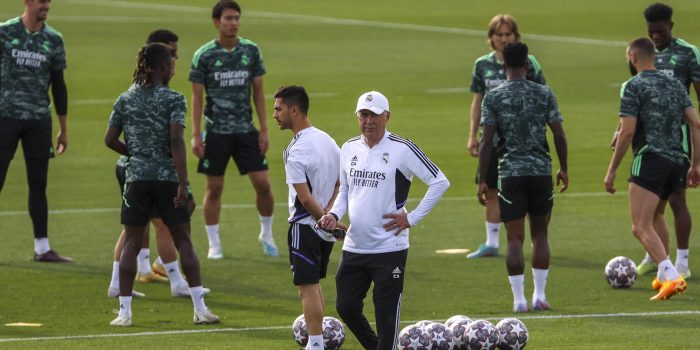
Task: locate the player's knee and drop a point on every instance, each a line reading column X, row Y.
column 263, row 189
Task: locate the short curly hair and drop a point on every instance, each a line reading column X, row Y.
column 658, row 12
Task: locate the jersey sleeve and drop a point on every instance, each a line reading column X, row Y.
column 179, row 110
column 58, row 61
column 258, row 64
column 694, row 64
column 199, row 69
column 488, row 117
column 477, row 86
column 629, row 100
column 553, row 113
column 295, row 166
column 534, row 71
column 116, row 119
column 416, row 163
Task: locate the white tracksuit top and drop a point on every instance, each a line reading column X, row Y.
column 376, row 181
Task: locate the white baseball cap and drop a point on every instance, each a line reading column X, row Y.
column 373, row 101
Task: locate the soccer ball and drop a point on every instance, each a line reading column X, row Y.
column 482, row 335
column 301, row 336
column 512, row 334
column 333, row 333
column 413, row 337
column 424, row 323
column 621, row 272
column 450, row 321
column 441, row 338
column 459, row 331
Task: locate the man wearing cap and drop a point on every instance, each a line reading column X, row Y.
column 376, row 169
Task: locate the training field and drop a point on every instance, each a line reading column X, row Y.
column 419, row 54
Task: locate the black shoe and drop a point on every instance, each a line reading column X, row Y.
column 51, row 257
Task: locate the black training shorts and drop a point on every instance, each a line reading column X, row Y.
column 308, row 254
column 242, row 147
column 142, row 198
column 521, row 195
column 35, row 136
column 658, row 174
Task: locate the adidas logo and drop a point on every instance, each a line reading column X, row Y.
column 171, row 270
column 397, row 270
column 353, row 161
column 316, row 344
column 218, row 63
column 396, row 273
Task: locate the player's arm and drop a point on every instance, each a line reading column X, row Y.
column 624, row 139
column 60, row 101
column 340, row 204
column 614, row 138
column 696, row 87
column 178, row 153
column 308, row 201
column 197, row 99
column 562, row 153
column 485, row 149
column 259, row 100
column 333, row 197
column 474, row 118
column 691, row 118
column 113, row 142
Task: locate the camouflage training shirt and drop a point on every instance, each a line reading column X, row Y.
column 227, row 77
column 145, row 115
column 26, row 62
column 521, row 110
column 658, row 102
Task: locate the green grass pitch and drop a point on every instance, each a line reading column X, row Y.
column 420, row 55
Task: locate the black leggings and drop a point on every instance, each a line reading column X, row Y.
column 37, row 174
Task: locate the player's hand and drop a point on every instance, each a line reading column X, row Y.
column 610, row 182
column 61, row 142
column 563, row 179
column 327, row 222
column 263, row 142
column 473, row 146
column 198, row 147
column 181, row 197
column 694, row 176
column 481, row 193
column 398, row 222
column 614, row 140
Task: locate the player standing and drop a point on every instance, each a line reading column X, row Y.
column 487, row 74
column 520, row 110
column 227, row 68
column 651, row 110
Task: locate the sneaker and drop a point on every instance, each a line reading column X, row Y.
column 51, row 256
column 520, row 308
column 655, row 284
column 269, row 246
column 670, row 288
column 114, row 292
column 684, row 271
column 150, row 277
column 646, row 267
column 483, row 251
column 205, row 318
column 183, row 291
column 540, row 305
column 121, row 321
column 159, row 269
column 215, row 253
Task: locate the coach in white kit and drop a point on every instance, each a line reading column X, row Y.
column 376, row 169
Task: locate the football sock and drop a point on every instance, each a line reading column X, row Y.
column 668, row 270
column 213, row 233
column 144, row 261
column 266, row 226
column 115, row 275
column 647, row 259
column 124, row 306
column 660, row 275
column 41, row 245
column 540, row 278
column 315, row 342
column 517, row 285
column 174, row 275
column 493, row 232
column 682, row 257
column 198, row 299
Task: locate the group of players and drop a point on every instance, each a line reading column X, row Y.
column 511, row 102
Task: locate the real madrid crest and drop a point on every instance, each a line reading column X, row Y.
column 369, row 98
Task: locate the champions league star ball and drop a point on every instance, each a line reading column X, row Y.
column 424, row 323
column 450, row 321
column 482, row 335
column 441, row 338
column 621, row 272
column 333, row 333
column 512, row 334
column 301, row 336
column 413, row 337
column 459, row 329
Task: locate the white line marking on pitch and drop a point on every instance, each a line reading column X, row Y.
column 93, row 102
column 351, row 22
column 256, row 329
column 283, row 204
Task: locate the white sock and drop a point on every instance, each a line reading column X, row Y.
column 115, row 275
column 124, row 306
column 266, row 227
column 315, row 342
column 668, row 270
column 174, row 275
column 41, row 245
column 159, row 261
column 493, row 233
column 213, row 233
column 198, row 299
column 647, row 259
column 660, row 275
column 540, row 278
column 517, row 285
column 144, row 261
column 682, row 257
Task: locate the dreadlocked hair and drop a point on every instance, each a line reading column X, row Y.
column 150, row 58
